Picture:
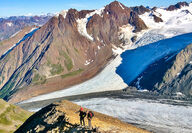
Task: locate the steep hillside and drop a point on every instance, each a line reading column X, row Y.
column 54, row 116
column 11, row 117
column 70, row 48
column 6, row 44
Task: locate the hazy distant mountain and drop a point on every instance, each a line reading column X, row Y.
column 13, row 24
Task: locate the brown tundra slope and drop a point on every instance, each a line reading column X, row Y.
column 59, row 55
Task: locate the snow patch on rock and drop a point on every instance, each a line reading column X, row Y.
column 15, row 33
column 126, row 33
column 121, row 6
column 63, row 12
column 82, row 23
column 9, row 24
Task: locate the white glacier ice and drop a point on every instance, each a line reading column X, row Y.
column 148, row 114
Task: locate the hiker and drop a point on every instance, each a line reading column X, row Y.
column 82, row 115
column 90, row 115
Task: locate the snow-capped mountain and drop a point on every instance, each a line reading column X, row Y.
column 70, row 48
column 74, row 46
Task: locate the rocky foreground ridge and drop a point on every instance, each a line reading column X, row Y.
column 62, row 117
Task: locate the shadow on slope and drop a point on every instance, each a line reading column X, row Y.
column 134, row 62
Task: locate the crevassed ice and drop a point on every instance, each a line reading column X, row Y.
column 148, row 113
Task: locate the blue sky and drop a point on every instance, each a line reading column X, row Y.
column 25, row 7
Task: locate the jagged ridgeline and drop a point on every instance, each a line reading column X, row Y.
column 71, row 44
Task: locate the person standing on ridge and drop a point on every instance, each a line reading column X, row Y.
column 90, row 115
column 82, row 115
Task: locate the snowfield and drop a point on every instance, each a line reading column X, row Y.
column 148, row 114
column 174, row 23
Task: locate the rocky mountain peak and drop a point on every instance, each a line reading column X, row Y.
column 140, row 9
column 115, row 8
column 71, row 16
column 177, row 6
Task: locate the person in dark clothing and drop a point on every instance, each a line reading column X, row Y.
column 90, row 115
column 82, row 115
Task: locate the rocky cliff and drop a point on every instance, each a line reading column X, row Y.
column 178, row 79
column 170, row 75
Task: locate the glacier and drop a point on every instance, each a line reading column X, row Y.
column 149, row 114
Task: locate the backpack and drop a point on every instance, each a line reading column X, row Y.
column 90, row 114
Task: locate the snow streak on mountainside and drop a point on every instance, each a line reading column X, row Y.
column 148, row 114
column 82, row 23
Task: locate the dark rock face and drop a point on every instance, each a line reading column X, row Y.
column 140, row 9
column 157, row 19
column 169, row 75
column 179, row 77
column 154, row 9
column 183, row 83
column 177, row 6
column 153, row 74
column 11, row 25
column 83, row 13
column 134, row 38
